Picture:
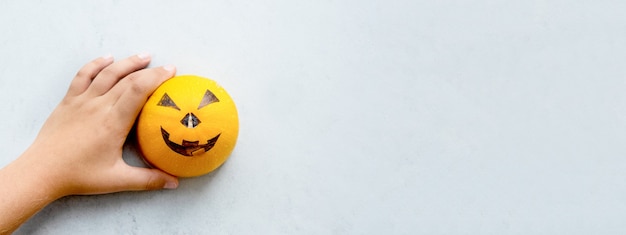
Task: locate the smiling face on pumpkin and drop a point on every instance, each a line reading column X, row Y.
column 188, row 127
column 191, row 121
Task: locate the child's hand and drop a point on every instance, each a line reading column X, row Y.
column 79, row 148
column 81, row 142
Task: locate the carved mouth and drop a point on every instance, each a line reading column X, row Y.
column 188, row 148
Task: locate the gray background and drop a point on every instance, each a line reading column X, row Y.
column 357, row 117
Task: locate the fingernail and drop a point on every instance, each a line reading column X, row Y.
column 170, row 185
column 169, row 67
column 143, row 56
column 107, row 57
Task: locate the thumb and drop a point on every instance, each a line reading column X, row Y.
column 149, row 179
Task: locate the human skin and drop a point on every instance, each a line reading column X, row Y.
column 78, row 151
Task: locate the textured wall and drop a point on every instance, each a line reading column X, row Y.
column 357, row 117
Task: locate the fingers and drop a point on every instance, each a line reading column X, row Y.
column 111, row 74
column 87, row 73
column 136, row 179
column 133, row 91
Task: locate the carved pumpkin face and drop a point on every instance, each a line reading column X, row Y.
column 188, row 126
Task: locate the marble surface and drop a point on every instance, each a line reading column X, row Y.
column 357, row 117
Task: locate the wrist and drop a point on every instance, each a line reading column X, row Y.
column 27, row 188
column 40, row 177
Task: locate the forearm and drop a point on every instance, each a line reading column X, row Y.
column 27, row 187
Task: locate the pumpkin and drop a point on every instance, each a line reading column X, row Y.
column 188, row 126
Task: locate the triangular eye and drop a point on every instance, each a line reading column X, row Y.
column 166, row 101
column 207, row 99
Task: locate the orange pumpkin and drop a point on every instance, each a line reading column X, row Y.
column 188, row 126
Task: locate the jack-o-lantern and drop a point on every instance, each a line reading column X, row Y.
column 188, row 127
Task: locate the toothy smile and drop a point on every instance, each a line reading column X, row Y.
column 188, row 148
